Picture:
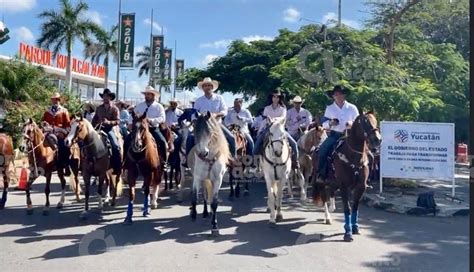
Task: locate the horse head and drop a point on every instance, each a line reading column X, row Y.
column 29, row 131
column 365, row 127
column 140, row 128
column 203, row 132
column 277, row 135
column 80, row 128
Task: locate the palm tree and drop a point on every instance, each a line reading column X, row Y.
column 143, row 63
column 62, row 27
column 105, row 46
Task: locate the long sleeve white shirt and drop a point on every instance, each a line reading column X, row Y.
column 172, row 116
column 292, row 122
column 271, row 112
column 347, row 113
column 155, row 113
column 215, row 104
column 245, row 119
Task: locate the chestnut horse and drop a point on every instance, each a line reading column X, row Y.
column 142, row 157
column 241, row 151
column 6, row 165
column 350, row 170
column 42, row 161
column 95, row 161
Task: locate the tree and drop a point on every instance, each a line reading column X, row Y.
column 106, row 45
column 61, row 28
column 143, row 62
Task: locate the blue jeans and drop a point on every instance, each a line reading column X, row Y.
column 324, row 151
column 258, row 149
column 228, row 136
column 160, row 141
column 250, row 144
column 116, row 162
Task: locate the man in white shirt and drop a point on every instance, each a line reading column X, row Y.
column 339, row 116
column 173, row 113
column 213, row 103
column 297, row 118
column 155, row 113
column 242, row 118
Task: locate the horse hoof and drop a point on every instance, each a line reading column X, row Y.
column 215, row 232
column 59, row 206
column 146, row 214
column 205, row 214
column 279, row 218
column 328, row 222
column 348, row 237
column 272, row 224
column 128, row 220
column 193, row 216
column 2, row 205
column 355, row 231
column 112, row 203
column 332, row 209
column 267, row 210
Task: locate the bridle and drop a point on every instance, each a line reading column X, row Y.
column 276, row 164
column 33, row 147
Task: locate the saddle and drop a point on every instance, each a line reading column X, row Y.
column 240, row 140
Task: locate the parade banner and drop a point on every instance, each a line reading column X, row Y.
column 167, row 57
column 179, row 70
column 156, row 53
column 417, row 150
column 127, row 38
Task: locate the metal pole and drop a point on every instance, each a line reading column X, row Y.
column 174, row 82
column 150, row 65
column 117, row 86
column 339, row 14
column 125, row 88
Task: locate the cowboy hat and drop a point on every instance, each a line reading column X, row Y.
column 173, row 100
column 337, row 88
column 56, row 95
column 238, row 99
column 214, row 83
column 109, row 93
column 120, row 103
column 90, row 104
column 150, row 89
column 297, row 99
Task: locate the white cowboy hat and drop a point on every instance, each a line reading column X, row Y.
column 150, row 89
column 56, row 95
column 214, row 83
column 173, row 100
column 297, row 99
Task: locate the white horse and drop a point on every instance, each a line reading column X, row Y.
column 185, row 129
column 211, row 157
column 276, row 166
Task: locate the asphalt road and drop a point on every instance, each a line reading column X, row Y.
column 169, row 241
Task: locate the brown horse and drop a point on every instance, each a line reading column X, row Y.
column 95, row 161
column 350, row 170
column 241, row 152
column 6, row 165
column 142, row 157
column 42, row 160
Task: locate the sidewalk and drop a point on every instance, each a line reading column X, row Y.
column 403, row 200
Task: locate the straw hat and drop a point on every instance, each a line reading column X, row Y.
column 173, row 100
column 297, row 99
column 214, row 83
column 56, row 95
column 150, row 89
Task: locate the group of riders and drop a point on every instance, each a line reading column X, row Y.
column 338, row 117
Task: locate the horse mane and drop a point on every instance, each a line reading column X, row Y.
column 218, row 144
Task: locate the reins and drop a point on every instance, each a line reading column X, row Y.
column 275, row 164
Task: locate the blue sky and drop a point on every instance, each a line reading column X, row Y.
column 202, row 28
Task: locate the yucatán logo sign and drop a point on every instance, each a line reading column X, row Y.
column 401, row 135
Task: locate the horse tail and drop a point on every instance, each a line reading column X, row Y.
column 208, row 188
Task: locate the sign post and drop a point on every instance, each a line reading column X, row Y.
column 127, row 33
column 418, row 151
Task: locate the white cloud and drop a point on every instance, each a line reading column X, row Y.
column 156, row 26
column 23, row 34
column 135, row 87
column 94, row 16
column 331, row 18
column 252, row 38
column 291, row 15
column 207, row 59
column 216, row 45
column 17, row 5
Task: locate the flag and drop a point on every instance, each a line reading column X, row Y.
column 167, row 57
column 156, row 59
column 127, row 37
column 179, row 70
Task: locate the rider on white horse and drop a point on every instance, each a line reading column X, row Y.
column 339, row 116
column 297, row 118
column 276, row 109
column 242, row 118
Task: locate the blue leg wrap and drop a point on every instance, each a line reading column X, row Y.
column 347, row 225
column 130, row 209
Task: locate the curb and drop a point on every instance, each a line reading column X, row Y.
column 373, row 200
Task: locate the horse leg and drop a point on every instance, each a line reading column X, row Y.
column 278, row 201
column 237, row 189
column 6, row 182
column 347, row 214
column 47, row 191
column 205, row 212
column 146, row 182
column 155, row 190
column 171, row 172
column 194, row 196
column 29, row 204
column 327, row 215
column 102, row 180
column 109, row 188
column 214, row 204
column 75, row 172
column 87, row 185
column 231, row 183
column 332, row 199
column 132, row 179
column 177, row 176
column 63, row 188
column 358, row 192
column 302, row 185
column 271, row 198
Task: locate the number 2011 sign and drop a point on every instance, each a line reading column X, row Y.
column 127, row 37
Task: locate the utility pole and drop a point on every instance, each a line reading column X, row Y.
column 125, row 88
column 339, row 14
column 118, row 61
